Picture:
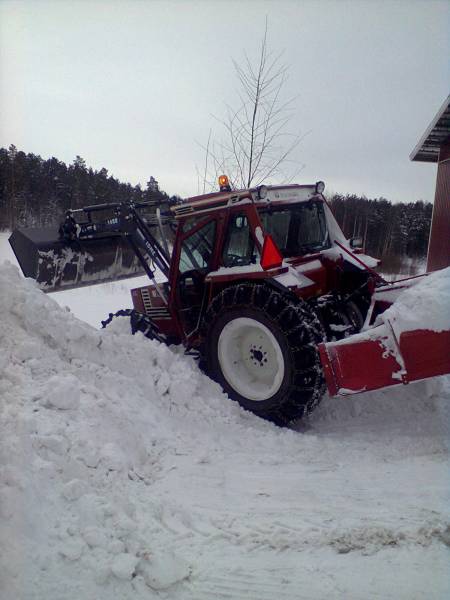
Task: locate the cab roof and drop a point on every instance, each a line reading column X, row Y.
column 220, row 200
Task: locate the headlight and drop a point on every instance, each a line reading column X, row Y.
column 320, row 187
column 262, row 192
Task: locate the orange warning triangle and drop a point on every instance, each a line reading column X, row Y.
column 271, row 257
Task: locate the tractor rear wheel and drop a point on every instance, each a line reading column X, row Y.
column 261, row 346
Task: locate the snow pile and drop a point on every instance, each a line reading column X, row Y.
column 83, row 413
column 423, row 306
column 126, row 473
column 90, row 304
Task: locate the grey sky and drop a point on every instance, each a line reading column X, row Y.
column 131, row 85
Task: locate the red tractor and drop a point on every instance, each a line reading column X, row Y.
column 254, row 281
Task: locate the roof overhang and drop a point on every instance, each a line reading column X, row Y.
column 438, row 132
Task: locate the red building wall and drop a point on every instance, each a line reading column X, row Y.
column 439, row 244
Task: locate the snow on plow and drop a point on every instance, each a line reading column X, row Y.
column 411, row 341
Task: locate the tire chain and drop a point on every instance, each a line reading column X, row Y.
column 300, row 314
column 139, row 322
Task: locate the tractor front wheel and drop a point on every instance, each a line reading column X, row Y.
column 261, row 346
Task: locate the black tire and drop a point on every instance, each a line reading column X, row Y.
column 355, row 316
column 297, row 330
column 341, row 320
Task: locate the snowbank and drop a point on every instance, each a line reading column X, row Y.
column 126, row 473
column 91, row 304
column 89, row 417
column 423, row 306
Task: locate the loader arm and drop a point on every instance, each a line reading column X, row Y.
column 84, row 251
column 126, row 222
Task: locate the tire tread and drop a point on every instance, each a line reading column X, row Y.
column 302, row 330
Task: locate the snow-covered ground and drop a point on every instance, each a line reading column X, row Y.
column 126, row 473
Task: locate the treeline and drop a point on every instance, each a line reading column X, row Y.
column 386, row 229
column 37, row 192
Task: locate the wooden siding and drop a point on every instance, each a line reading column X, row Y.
column 439, row 244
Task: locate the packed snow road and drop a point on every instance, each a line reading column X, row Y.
column 126, row 473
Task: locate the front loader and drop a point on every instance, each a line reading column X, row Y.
column 260, row 284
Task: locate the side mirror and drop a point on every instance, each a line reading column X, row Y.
column 356, row 242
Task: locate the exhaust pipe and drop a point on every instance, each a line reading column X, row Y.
column 58, row 264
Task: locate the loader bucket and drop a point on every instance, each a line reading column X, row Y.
column 58, row 264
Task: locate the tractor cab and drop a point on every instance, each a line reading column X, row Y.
column 221, row 240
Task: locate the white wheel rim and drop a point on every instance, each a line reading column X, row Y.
column 250, row 358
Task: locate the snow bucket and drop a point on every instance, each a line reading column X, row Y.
column 58, row 264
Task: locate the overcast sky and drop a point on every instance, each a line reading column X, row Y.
column 131, row 85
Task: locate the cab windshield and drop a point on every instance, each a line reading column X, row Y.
column 296, row 229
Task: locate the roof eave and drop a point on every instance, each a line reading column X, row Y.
column 427, row 150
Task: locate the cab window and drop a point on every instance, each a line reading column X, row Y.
column 197, row 249
column 239, row 248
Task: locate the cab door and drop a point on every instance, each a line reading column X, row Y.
column 195, row 255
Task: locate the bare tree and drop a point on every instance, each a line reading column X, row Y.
column 255, row 144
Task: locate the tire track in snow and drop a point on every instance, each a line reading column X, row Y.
column 368, row 540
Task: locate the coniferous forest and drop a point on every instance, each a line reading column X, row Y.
column 37, row 192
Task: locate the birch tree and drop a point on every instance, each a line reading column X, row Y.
column 255, row 143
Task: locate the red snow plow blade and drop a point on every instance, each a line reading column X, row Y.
column 376, row 358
